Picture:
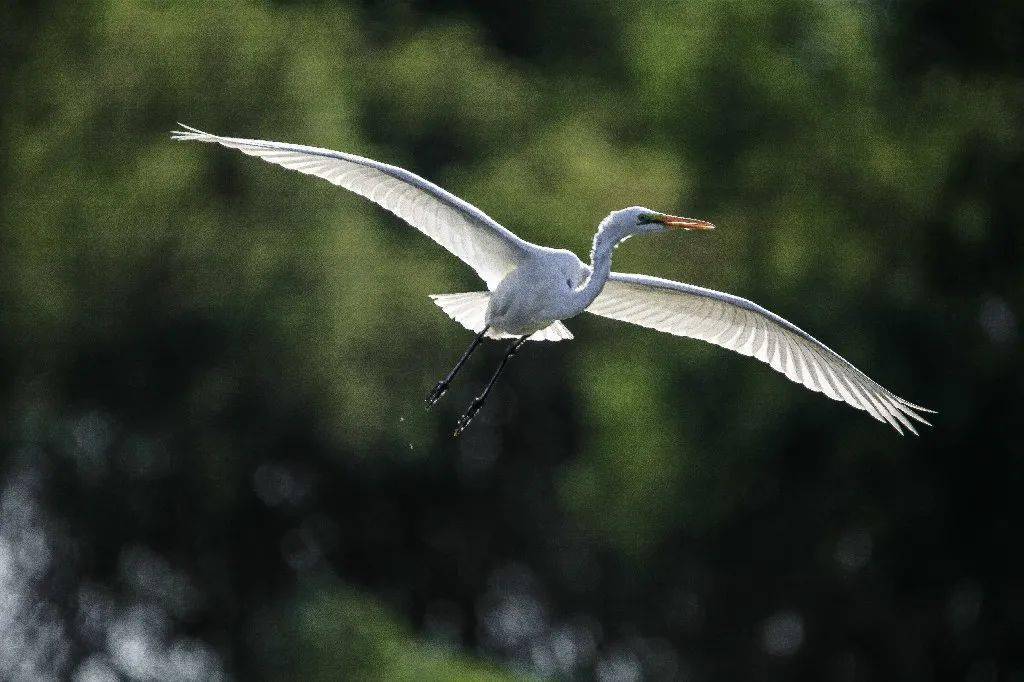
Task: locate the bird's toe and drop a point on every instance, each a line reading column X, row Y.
column 436, row 393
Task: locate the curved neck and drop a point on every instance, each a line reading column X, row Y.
column 605, row 242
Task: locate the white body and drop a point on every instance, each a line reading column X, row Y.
column 531, row 288
column 539, row 292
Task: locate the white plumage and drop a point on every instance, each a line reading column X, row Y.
column 745, row 327
column 470, row 310
column 466, row 231
column 532, row 288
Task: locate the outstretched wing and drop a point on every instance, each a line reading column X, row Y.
column 466, row 231
column 745, row 327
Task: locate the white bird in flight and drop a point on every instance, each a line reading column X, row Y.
column 531, row 289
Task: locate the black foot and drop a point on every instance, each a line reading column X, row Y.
column 465, row 419
column 435, row 395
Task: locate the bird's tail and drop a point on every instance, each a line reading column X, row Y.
column 470, row 310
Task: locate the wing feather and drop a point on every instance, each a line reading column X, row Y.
column 745, row 327
column 466, row 231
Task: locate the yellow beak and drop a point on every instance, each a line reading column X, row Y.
column 674, row 222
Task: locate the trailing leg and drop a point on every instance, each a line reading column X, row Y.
column 478, row 401
column 442, row 385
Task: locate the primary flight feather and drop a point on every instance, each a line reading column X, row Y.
column 531, row 288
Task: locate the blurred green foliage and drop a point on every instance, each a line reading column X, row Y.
column 330, row 632
column 217, row 316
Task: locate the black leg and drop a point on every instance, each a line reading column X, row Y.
column 478, row 401
column 442, row 385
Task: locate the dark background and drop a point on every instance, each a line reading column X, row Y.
column 216, row 462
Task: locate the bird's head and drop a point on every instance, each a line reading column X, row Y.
column 639, row 220
column 621, row 225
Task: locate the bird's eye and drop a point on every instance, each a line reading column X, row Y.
column 568, row 283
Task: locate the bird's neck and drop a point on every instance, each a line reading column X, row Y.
column 605, row 242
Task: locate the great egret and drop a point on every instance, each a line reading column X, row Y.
column 531, row 288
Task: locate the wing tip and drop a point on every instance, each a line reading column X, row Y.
column 187, row 132
column 902, row 409
column 917, row 408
